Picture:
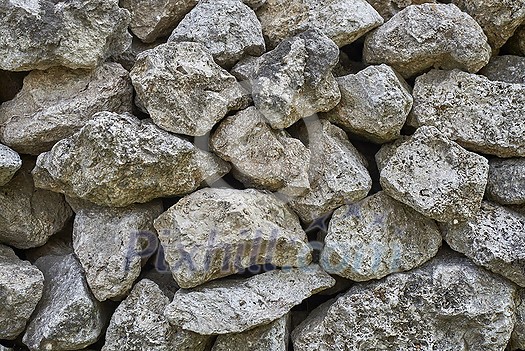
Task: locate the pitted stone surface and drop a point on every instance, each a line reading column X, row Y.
column 10, row 162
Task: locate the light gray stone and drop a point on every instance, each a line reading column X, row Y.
column 3, row 348
column 506, row 182
column 428, row 35
column 388, row 8
column 517, row 340
column 516, row 44
column 56, row 103
column 388, row 150
column 129, row 161
column 436, row 176
column 508, row 68
column 128, row 58
column 10, row 162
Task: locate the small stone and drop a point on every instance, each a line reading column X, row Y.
column 517, row 340
column 508, row 68
column 183, row 89
column 506, row 182
column 56, row 103
column 516, row 44
column 74, row 33
column 428, row 35
column 129, row 161
column 436, row 176
column 214, row 233
column 262, row 157
column 479, row 114
column 228, row 29
column 21, row 286
column 374, row 104
column 388, row 8
column 234, row 306
column 10, row 162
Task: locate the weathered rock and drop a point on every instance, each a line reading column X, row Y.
column 164, row 280
column 262, row 157
column 228, row 29
column 10, row 162
column 21, row 286
column 343, row 21
column 139, row 324
column 128, row 58
column 506, row 182
column 388, row 150
column 46, row 33
column 448, row 304
column 517, row 340
column 116, row 160
column 508, row 68
column 479, row 114
column 55, row 103
column 254, row 4
column 428, row 35
column 436, row 176
column 68, row 317
column 374, row 104
column 3, row 348
column 234, row 306
column 183, row 89
column 516, row 44
column 213, row 233
column 388, row 8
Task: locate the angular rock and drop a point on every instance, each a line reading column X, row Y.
column 75, row 34
column 21, row 286
column 506, row 182
column 436, row 176
column 517, row 340
column 228, row 29
column 516, row 44
column 428, row 35
column 262, row 157
column 254, row 4
column 388, row 150
column 3, row 348
column 508, row 68
column 213, row 233
column 117, row 160
column 374, row 104
column 128, row 58
column 388, row 8
column 343, row 21
column 56, row 103
column 68, row 317
column 237, row 305
column 10, row 162
column 183, row 89
column 479, row 114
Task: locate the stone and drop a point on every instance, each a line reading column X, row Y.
column 3, row 348
column 21, row 286
column 374, row 104
column 447, row 304
column 506, row 182
column 183, row 89
column 376, row 237
column 388, row 150
column 388, row 8
column 228, row 29
column 68, row 317
column 479, row 114
column 436, row 176
column 516, row 44
column 508, row 68
column 254, row 4
column 129, row 161
column 10, row 162
column 28, row 215
column 234, row 306
column 138, row 324
column 262, row 157
column 56, row 103
column 428, row 35
column 517, row 340
column 75, row 34
column 343, row 21
column 214, row 233
column 128, row 58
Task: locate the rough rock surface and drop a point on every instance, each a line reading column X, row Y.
column 428, row 35
column 506, row 182
column 480, row 114
column 128, row 58
column 46, row 33
column 508, row 68
column 388, row 8
column 68, row 317
column 228, row 29
column 129, row 161
column 388, row 150
column 516, row 44
column 448, row 304
column 213, row 233
column 234, row 306
column 517, row 341
column 436, row 176
column 21, row 286
column 55, row 103
column 374, row 104
column 262, row 157
column 183, row 89
column 10, row 162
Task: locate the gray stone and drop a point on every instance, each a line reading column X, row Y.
column 428, row 35
column 508, row 68
column 3, row 348
column 506, row 182
column 74, row 33
column 479, row 114
column 10, row 84
column 10, row 162
column 254, row 4
column 374, row 104
column 262, row 157
column 117, row 160
column 68, row 317
column 128, row 58
column 228, row 29
column 56, row 103
column 21, row 286
column 376, row 237
column 234, row 306
column 516, row 44
column 388, row 8
column 517, row 340
column 448, row 304
column 183, row 89
column 436, row 176
column 164, row 280
column 138, row 324
column 214, row 233
column 388, row 150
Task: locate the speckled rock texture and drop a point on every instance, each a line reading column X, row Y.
column 516, row 44
column 506, row 182
column 517, row 340
column 388, row 8
column 10, row 162
column 507, row 68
